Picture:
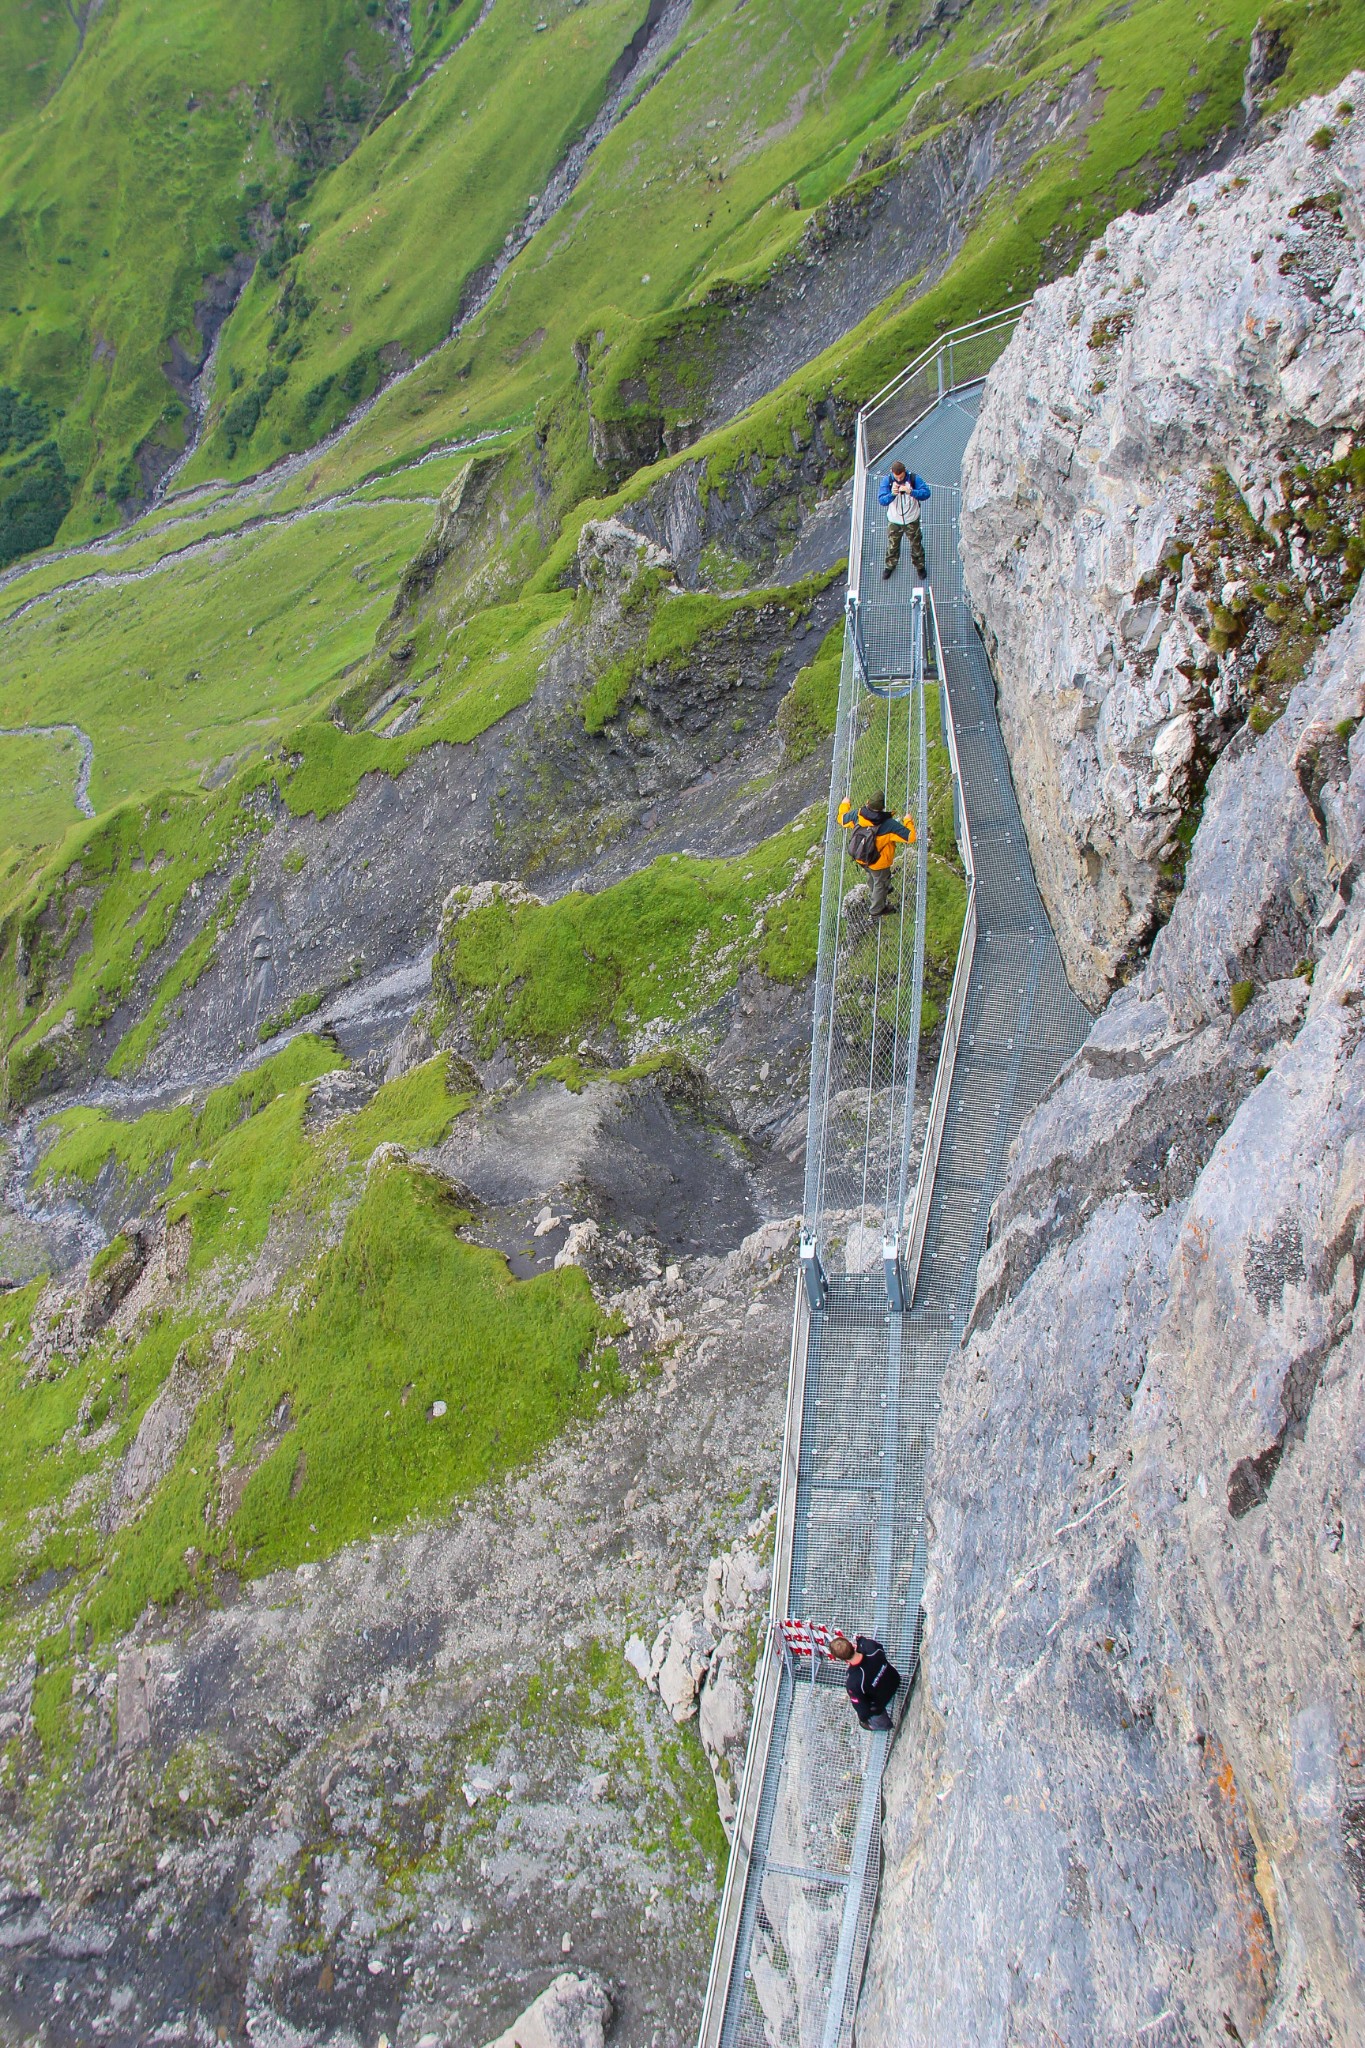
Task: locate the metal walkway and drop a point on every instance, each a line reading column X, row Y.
column 889, row 1269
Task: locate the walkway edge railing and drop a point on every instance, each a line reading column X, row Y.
column 767, row 1682
column 957, row 1000
column 941, row 358
column 952, row 353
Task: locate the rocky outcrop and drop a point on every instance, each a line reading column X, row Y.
column 130, row 1279
column 1155, row 513
column 572, row 2012
column 1128, row 1800
column 449, row 1700
column 702, row 1663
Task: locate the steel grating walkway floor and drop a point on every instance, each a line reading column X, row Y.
column 871, row 1379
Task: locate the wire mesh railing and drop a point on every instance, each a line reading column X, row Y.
column 867, row 1356
column 869, row 982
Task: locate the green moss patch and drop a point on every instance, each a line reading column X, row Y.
column 684, row 625
column 74, row 937
column 79, row 1143
column 659, row 947
column 341, row 1390
column 393, row 1370
column 466, row 678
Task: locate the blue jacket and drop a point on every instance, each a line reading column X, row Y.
column 919, row 489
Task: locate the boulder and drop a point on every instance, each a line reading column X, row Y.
column 679, row 1662
column 572, row 2012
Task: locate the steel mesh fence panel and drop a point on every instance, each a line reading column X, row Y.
column 866, row 1379
column 869, row 980
column 960, row 359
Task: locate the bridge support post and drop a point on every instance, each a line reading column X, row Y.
column 855, row 633
column 895, row 1276
column 813, row 1273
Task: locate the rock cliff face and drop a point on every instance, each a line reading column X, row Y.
column 1153, row 512
column 1128, row 1801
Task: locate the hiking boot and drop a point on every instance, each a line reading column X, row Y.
column 877, row 1721
column 887, row 910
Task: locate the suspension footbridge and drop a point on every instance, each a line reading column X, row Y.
column 897, row 1196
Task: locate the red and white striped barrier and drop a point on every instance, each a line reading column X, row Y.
column 807, row 1638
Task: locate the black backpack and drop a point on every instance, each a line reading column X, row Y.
column 862, row 844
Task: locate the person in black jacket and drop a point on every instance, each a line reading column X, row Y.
column 872, row 1681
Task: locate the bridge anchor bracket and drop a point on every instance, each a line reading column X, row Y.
column 813, row 1273
column 895, row 1276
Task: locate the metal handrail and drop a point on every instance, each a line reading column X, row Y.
column 938, row 1101
column 941, row 357
column 957, row 1004
column 855, row 543
column 768, row 1681
column 983, row 323
column 855, row 633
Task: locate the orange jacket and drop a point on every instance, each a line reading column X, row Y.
column 891, row 832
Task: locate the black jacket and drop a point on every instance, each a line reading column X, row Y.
column 874, row 1683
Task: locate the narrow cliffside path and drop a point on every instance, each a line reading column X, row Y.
column 887, row 1295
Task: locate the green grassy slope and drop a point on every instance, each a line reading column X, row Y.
column 224, row 667
column 155, row 159
column 648, row 189
column 321, row 1427
column 178, row 671
column 398, row 230
column 37, row 784
column 225, row 652
column 697, row 184
column 40, row 42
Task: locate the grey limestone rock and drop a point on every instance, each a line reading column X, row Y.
column 1223, row 333
column 1130, row 1795
column 572, row 2012
column 1127, row 1802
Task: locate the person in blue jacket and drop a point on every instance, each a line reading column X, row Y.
column 871, row 1679
column 903, row 492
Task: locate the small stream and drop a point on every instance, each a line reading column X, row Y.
column 81, row 792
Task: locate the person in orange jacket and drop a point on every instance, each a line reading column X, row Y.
column 876, row 835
